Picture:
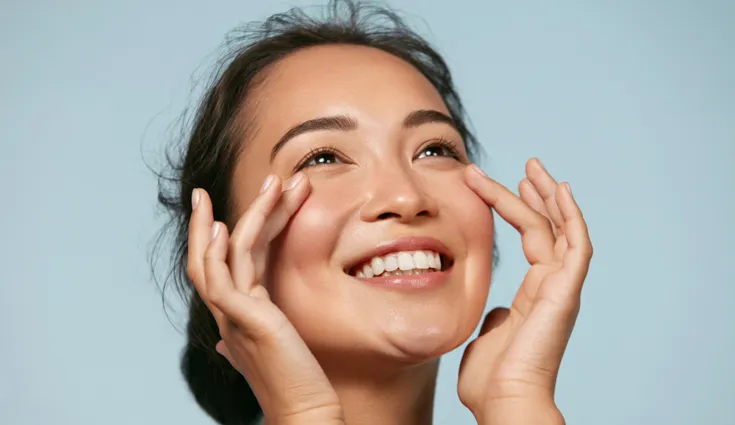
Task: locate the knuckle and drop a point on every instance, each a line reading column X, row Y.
column 564, row 306
column 587, row 250
column 209, row 258
column 541, row 221
column 238, row 246
column 466, row 397
column 234, row 244
column 521, row 369
column 269, row 331
column 573, row 305
column 191, row 271
column 260, row 333
column 215, row 296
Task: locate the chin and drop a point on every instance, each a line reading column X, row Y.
column 421, row 348
column 425, row 341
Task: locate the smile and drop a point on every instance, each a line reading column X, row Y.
column 400, row 264
column 408, row 262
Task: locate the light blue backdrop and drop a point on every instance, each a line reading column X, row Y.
column 631, row 101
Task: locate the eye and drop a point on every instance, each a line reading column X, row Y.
column 318, row 157
column 439, row 148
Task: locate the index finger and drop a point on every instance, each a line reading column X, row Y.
column 265, row 219
column 535, row 229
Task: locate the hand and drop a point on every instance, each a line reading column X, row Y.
column 508, row 374
column 257, row 338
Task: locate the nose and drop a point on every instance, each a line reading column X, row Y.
column 396, row 195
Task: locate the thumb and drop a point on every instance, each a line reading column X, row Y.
column 495, row 318
column 221, row 348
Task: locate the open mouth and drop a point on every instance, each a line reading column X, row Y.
column 402, row 263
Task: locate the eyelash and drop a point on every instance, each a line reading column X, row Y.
column 313, row 154
column 450, row 146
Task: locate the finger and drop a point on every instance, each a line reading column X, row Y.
column 539, row 344
column 526, row 295
column 237, row 308
column 200, row 229
column 578, row 255
column 562, row 287
column 535, row 229
column 546, row 186
column 543, row 339
column 492, row 320
column 200, row 232
column 495, row 318
column 296, row 190
column 219, row 285
column 265, row 219
column 247, row 231
column 530, row 196
column 222, row 349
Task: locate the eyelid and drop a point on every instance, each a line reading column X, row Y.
column 450, row 145
column 314, row 152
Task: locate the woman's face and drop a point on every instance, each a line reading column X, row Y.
column 385, row 167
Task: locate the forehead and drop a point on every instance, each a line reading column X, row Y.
column 369, row 84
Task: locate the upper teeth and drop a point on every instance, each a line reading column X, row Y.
column 411, row 262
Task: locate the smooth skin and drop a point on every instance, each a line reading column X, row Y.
column 258, row 339
column 508, row 374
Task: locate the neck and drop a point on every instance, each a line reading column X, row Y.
column 403, row 395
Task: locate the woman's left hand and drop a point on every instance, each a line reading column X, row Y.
column 508, row 374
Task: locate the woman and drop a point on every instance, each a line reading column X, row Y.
column 335, row 238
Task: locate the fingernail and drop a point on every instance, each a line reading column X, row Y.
column 541, row 164
column 194, row 199
column 478, row 170
column 266, row 184
column 293, row 181
column 569, row 188
column 215, row 230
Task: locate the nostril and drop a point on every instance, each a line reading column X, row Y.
column 387, row 215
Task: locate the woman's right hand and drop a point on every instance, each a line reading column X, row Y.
column 257, row 338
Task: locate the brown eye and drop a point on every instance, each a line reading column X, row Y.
column 321, row 159
column 318, row 157
column 438, row 149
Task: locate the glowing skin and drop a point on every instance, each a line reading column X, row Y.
column 382, row 190
column 386, row 175
column 396, row 175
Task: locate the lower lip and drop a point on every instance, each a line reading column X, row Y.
column 409, row 282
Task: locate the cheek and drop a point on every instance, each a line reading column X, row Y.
column 472, row 218
column 300, row 254
column 477, row 226
column 309, row 237
column 475, row 220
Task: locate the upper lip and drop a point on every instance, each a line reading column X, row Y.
column 407, row 243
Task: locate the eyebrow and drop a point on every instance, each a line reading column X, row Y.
column 345, row 123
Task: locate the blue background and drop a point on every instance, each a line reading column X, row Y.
column 633, row 102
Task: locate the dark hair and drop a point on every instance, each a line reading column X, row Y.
column 211, row 145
